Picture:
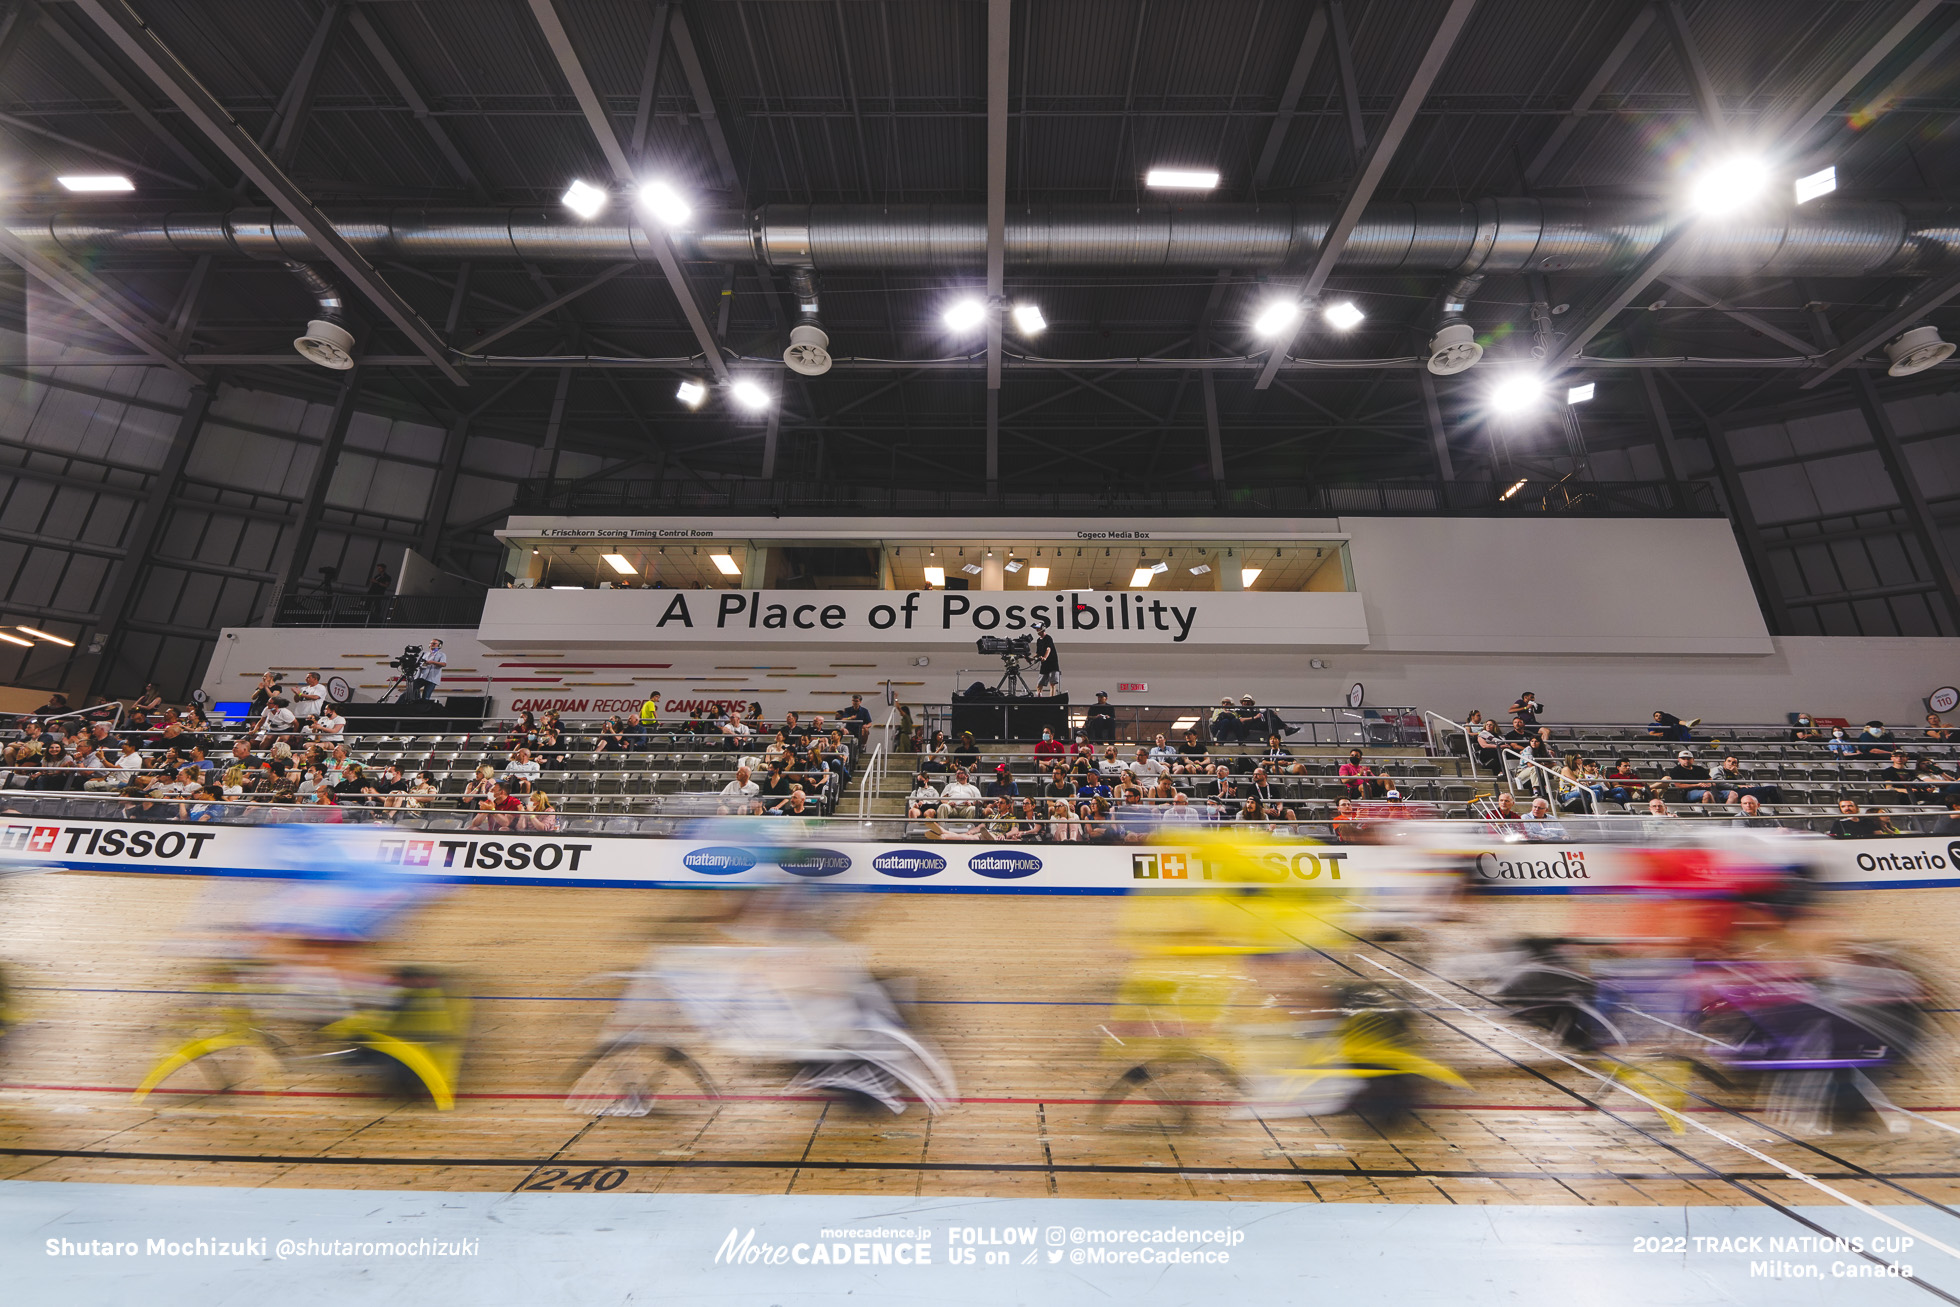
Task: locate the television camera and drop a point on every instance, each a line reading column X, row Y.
column 405, row 667
column 1015, row 653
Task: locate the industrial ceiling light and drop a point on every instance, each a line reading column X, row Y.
column 1160, row 567
column 91, row 183
column 665, row 204
column 1917, row 350
column 1181, row 179
column 1728, row 185
column 971, row 569
column 1037, row 577
column 14, row 639
column 1277, row 317
column 691, row 393
column 619, row 563
column 1201, row 569
column 749, row 395
column 965, row 314
column 1343, row 316
column 1141, row 577
column 1515, row 487
column 725, row 564
column 1247, row 575
column 1015, row 564
column 1816, row 184
column 1027, row 317
column 39, row 634
column 584, row 199
column 1516, row 392
column 1579, row 394
column 936, row 576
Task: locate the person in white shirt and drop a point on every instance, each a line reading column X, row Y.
column 131, row 762
column 923, row 801
column 278, row 721
column 521, row 772
column 960, row 798
column 741, row 797
column 428, row 673
column 1163, row 753
column 328, row 724
column 310, row 697
column 1146, row 768
column 1181, row 812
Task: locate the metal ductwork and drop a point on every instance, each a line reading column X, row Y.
column 327, row 341
column 809, row 343
column 1454, row 347
column 1846, row 238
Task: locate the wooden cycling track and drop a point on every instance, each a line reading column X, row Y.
column 1013, row 989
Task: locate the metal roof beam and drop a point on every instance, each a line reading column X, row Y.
column 554, row 304
column 1701, row 87
column 81, row 289
column 1289, row 98
column 143, row 47
column 391, row 68
column 303, row 86
column 1000, row 33
column 1608, row 69
column 56, row 25
column 1374, row 166
column 1932, row 295
column 596, row 117
column 1749, row 320
column 682, row 36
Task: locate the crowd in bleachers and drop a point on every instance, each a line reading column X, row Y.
column 295, row 756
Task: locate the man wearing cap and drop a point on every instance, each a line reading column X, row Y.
column 1683, row 776
column 1102, row 719
column 1003, row 785
column 1046, row 662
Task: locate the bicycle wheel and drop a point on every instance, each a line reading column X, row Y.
column 1163, row 1097
column 635, row 1079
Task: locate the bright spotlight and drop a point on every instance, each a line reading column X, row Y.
column 585, row 200
column 1579, row 394
column 1818, row 183
column 1729, row 185
column 1515, row 487
column 619, row 563
column 1277, row 317
column 749, row 395
column 965, row 315
column 691, row 393
column 1181, row 179
column 665, row 204
column 1037, row 577
column 725, row 564
column 89, row 182
column 1516, row 393
column 1028, row 318
column 1343, row 316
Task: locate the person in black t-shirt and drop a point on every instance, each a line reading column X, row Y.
column 1047, row 663
column 777, row 784
column 1683, row 775
column 1101, row 726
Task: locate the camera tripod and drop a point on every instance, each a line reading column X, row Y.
column 1012, row 684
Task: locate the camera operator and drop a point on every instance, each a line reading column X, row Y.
column 1045, row 660
column 428, row 672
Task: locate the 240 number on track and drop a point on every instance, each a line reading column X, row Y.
column 551, row 1178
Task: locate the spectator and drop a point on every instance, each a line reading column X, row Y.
column 497, row 809
column 648, row 719
column 1936, row 729
column 538, row 816
column 1109, row 766
column 923, row 802
column 1731, row 781
column 959, row 797
column 777, row 784
column 149, row 701
column 1805, row 731
column 1361, row 780
column 1224, row 724
column 277, row 722
column 1540, row 824
column 1101, row 724
column 1347, row 825
column 741, row 797
column 1278, row 758
column 479, row 786
column 1666, row 726
column 309, row 697
column 1003, row 785
column 856, row 720
column 1898, row 780
column 262, row 693
column 1269, row 799
column 1181, row 812
column 1578, row 784
column 1048, row 746
column 938, row 755
column 423, row 792
column 1527, row 707
column 1684, row 775
column 1059, row 785
column 1752, row 815
column 1256, row 723
column 1839, row 746
column 613, row 736
column 1145, row 768
column 1046, row 662
column 1521, row 733
column 1506, row 810
column 796, row 805
column 1486, row 751
column 328, row 724
column 968, row 753
column 1090, row 789
column 1854, row 825
column 521, row 772
column 1875, row 739
column 1192, row 756
column 735, row 732
column 391, row 787
column 1657, row 816
column 1949, row 824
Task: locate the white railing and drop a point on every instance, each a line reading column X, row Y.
column 1552, row 781
column 871, row 780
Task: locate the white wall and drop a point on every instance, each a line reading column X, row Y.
column 1858, row 679
column 1554, row 585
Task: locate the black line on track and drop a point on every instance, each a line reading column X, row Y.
column 1084, row 1168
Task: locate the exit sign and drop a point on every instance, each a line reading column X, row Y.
column 1132, row 687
